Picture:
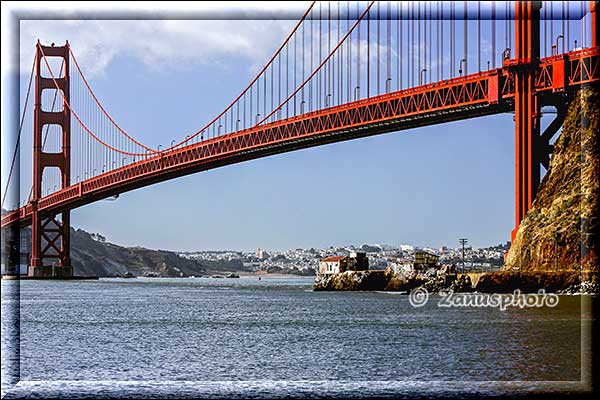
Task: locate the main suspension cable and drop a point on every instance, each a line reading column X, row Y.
column 17, row 145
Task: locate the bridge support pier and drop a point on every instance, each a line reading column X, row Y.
column 50, row 244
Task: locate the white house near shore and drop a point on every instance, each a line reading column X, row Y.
column 357, row 261
column 333, row 265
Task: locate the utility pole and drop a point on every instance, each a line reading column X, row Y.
column 463, row 242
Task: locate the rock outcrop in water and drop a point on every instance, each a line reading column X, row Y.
column 565, row 210
column 352, row 280
column 484, row 282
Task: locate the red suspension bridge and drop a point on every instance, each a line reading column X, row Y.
column 346, row 70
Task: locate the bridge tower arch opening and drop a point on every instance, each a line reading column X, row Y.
column 50, row 244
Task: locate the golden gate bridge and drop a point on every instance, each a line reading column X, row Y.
column 346, row 70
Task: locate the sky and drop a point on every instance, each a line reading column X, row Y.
column 162, row 79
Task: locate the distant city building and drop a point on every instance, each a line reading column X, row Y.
column 421, row 261
column 358, row 261
column 426, row 259
column 400, row 266
column 261, row 254
column 98, row 237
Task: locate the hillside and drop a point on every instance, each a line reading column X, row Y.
column 93, row 257
column 564, row 215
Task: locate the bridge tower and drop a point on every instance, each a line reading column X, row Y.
column 529, row 152
column 50, row 246
column 532, row 148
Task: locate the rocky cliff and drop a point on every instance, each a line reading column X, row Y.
column 562, row 225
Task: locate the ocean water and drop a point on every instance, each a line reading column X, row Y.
column 275, row 337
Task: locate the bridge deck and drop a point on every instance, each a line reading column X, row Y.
column 484, row 93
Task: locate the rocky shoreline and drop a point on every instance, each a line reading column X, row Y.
column 562, row 282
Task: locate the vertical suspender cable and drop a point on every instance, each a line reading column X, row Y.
column 545, row 16
column 378, row 46
column 419, row 44
column 358, row 46
column 378, row 43
column 562, row 28
column 583, row 25
column 399, row 44
column 320, row 74
column 568, row 38
column 330, row 66
column 452, row 40
column 441, row 21
column 509, row 21
column 430, row 22
column 303, row 71
column 389, row 48
column 340, row 56
column 478, row 36
column 424, row 44
column 552, row 26
column 369, row 54
column 493, row 35
column 409, row 46
column 349, row 60
column 412, row 44
column 465, row 37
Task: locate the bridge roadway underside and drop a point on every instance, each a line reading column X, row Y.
column 400, row 124
column 417, row 121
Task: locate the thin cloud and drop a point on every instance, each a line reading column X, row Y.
column 159, row 44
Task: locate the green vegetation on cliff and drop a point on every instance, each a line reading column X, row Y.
column 564, row 215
